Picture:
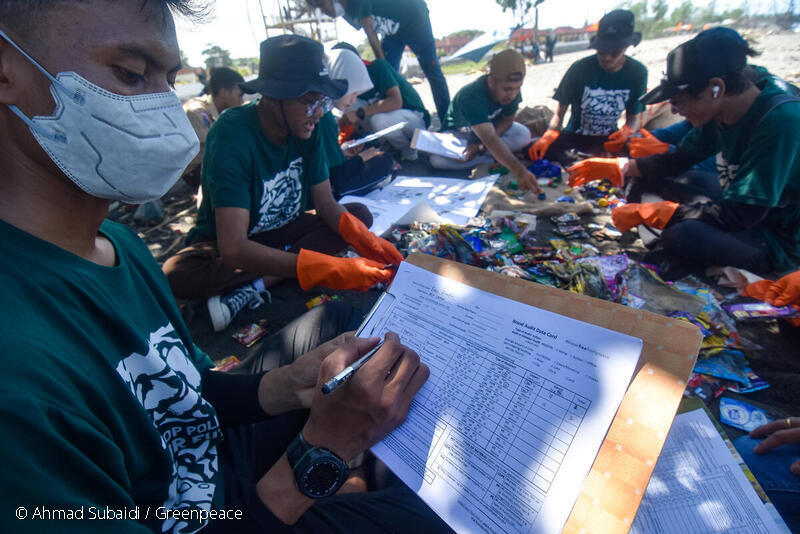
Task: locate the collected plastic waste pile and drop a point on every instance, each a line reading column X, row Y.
column 602, row 193
column 507, row 244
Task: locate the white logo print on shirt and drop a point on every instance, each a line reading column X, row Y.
column 166, row 383
column 601, row 108
column 280, row 199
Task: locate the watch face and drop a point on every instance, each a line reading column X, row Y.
column 322, row 478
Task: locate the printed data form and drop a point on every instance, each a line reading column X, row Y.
column 699, row 486
column 503, row 434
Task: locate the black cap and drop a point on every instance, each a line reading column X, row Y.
column 615, row 32
column 291, row 66
column 712, row 53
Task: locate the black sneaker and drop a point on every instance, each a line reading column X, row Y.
column 223, row 308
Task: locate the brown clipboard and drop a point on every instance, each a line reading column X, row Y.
column 613, row 490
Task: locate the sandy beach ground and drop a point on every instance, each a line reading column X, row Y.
column 780, row 53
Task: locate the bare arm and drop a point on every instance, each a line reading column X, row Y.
column 504, row 124
column 488, row 136
column 239, row 252
column 391, row 102
column 327, row 207
column 372, row 37
column 633, row 169
column 632, row 120
column 372, row 404
column 558, row 117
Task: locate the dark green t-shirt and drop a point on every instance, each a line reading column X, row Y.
column 388, row 16
column 243, row 169
column 100, row 394
column 384, row 77
column 597, row 98
column 474, row 105
column 762, row 169
column 329, row 136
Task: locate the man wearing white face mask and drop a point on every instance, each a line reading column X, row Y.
column 107, row 408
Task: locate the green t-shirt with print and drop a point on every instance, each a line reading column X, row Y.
column 474, row 105
column 388, row 16
column 384, row 77
column 100, row 395
column 329, row 136
column 761, row 168
column 243, row 169
column 597, row 98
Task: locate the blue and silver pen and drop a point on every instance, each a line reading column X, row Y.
column 347, row 372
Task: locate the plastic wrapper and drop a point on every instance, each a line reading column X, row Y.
column 610, row 268
column 742, row 415
column 641, row 288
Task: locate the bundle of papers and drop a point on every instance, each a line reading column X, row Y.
column 436, row 200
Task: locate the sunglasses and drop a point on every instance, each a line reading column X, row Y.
column 325, row 102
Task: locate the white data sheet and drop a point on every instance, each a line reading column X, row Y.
column 441, row 143
column 451, row 198
column 698, row 486
column 503, row 434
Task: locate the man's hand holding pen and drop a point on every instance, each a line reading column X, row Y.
column 372, row 403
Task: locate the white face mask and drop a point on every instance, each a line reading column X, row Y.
column 127, row 148
column 338, row 10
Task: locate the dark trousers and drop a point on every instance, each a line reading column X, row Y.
column 420, row 39
column 248, row 452
column 357, row 177
column 198, row 272
column 696, row 243
column 571, row 147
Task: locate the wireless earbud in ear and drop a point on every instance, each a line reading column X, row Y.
column 715, row 91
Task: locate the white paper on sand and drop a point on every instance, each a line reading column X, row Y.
column 453, row 200
column 502, row 435
column 441, row 143
column 371, row 137
column 699, row 486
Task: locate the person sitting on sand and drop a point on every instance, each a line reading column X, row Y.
column 748, row 214
column 483, row 112
column 263, row 162
column 598, row 89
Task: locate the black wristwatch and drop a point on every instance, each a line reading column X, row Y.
column 318, row 472
column 361, row 114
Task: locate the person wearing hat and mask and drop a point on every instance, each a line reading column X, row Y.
column 598, row 89
column 484, row 112
column 391, row 100
column 108, row 407
column 357, row 172
column 747, row 214
column 264, row 162
column 400, row 23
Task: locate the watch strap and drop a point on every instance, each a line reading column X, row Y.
column 296, row 450
column 361, row 114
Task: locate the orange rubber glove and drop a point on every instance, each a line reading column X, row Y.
column 785, row 291
column 346, row 132
column 647, row 145
column 757, row 290
column 314, row 268
column 539, row 148
column 365, row 242
column 653, row 214
column 597, row 169
column 616, row 141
